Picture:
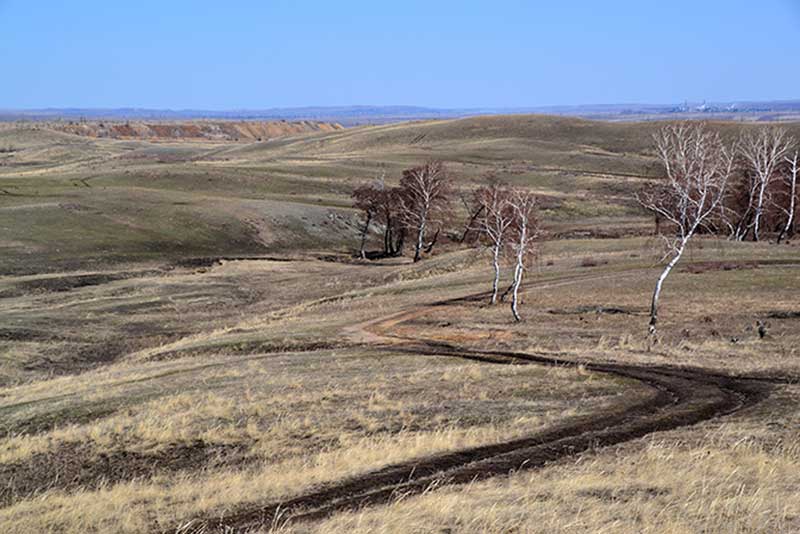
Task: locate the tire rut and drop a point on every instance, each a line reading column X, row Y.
column 677, row 398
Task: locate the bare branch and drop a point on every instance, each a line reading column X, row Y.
column 424, row 200
column 698, row 166
column 496, row 217
column 763, row 149
column 522, row 242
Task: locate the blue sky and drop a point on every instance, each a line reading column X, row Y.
column 238, row 54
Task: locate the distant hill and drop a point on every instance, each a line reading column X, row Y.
column 568, row 144
column 358, row 115
column 193, row 130
column 76, row 201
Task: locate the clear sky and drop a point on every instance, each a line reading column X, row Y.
column 239, row 54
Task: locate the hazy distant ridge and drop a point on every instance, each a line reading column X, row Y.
column 351, row 115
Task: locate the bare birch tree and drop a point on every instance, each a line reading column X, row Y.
column 738, row 211
column 494, row 223
column 697, row 165
column 424, row 199
column 522, row 240
column 474, row 208
column 763, row 149
column 394, row 233
column 367, row 198
column 790, row 176
column 381, row 206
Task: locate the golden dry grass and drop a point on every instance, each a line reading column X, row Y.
column 736, row 476
column 304, row 418
column 274, row 367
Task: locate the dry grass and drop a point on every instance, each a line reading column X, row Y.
column 707, row 319
column 738, row 476
column 301, row 418
column 305, row 419
column 275, row 364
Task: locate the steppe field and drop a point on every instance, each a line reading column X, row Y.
column 189, row 343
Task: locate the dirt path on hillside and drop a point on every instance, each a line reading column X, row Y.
column 677, row 397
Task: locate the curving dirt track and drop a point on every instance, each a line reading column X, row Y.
column 677, row 397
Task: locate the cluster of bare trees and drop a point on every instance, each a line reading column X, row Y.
column 508, row 225
column 502, row 218
column 741, row 189
column 762, row 194
column 417, row 207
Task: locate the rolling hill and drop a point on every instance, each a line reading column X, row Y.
column 71, row 198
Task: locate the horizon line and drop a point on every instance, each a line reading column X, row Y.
column 794, row 100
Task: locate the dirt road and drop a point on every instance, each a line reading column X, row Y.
column 676, row 397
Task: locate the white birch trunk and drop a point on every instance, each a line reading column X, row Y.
column 759, row 209
column 496, row 265
column 660, row 283
column 515, row 294
column 518, row 271
column 420, row 241
column 364, row 236
column 792, row 200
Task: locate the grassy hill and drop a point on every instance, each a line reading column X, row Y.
column 144, row 389
column 67, row 198
column 589, row 146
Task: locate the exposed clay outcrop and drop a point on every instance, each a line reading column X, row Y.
column 193, row 130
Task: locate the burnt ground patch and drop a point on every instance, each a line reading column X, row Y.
column 43, row 415
column 710, row 266
column 784, row 314
column 58, row 284
column 23, row 334
column 205, row 262
column 602, row 233
column 84, row 356
column 66, row 283
column 249, row 347
column 73, row 414
column 600, row 310
column 623, row 494
column 75, row 466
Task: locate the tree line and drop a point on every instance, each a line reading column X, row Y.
column 763, row 189
column 739, row 189
column 742, row 189
column 502, row 218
